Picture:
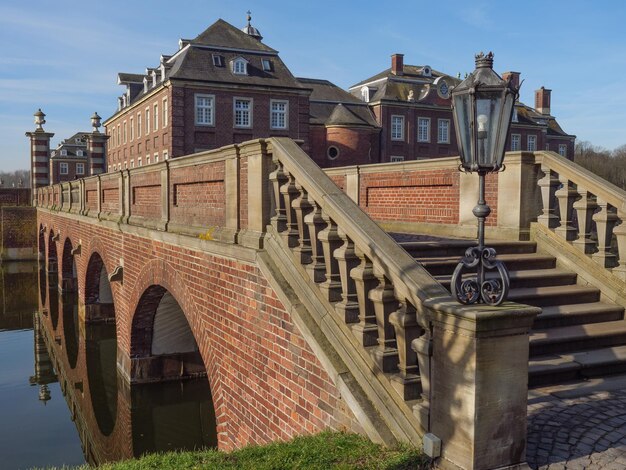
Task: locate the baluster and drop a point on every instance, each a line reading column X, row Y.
column 605, row 219
column 423, row 346
column 348, row 308
column 315, row 223
column 331, row 287
column 289, row 193
column 548, row 185
column 585, row 207
column 278, row 178
column 385, row 302
column 365, row 330
column 620, row 235
column 404, row 321
column 302, row 207
column 566, row 196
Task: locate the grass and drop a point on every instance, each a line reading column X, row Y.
column 322, row 451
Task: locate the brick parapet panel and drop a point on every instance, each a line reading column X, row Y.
column 265, row 380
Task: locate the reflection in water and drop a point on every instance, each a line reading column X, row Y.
column 101, row 349
column 116, row 420
column 70, row 326
column 18, row 295
column 172, row 415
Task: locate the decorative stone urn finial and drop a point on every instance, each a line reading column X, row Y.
column 39, row 120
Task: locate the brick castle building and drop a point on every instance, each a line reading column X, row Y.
column 226, row 86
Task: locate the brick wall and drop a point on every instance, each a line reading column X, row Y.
column 415, row 196
column 266, row 382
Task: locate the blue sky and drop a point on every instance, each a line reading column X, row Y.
column 64, row 56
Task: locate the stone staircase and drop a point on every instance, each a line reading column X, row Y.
column 578, row 335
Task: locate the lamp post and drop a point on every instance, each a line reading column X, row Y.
column 482, row 107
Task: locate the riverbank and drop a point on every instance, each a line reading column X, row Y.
column 322, row 451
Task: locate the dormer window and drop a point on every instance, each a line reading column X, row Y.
column 426, row 71
column 514, row 119
column 365, row 94
column 64, row 153
column 79, row 153
column 267, row 65
column 218, row 60
column 240, row 66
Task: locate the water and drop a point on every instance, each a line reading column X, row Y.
column 61, row 399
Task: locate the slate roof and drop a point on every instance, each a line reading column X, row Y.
column 223, row 34
column 70, row 145
column 409, row 72
column 129, row 78
column 333, row 106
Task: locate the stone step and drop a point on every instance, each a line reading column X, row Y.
column 528, row 278
column 554, row 295
column 513, row 262
column 457, row 247
column 557, row 368
column 578, row 314
column 567, row 339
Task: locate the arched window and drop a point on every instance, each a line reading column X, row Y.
column 240, row 66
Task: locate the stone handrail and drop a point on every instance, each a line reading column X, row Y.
column 584, row 210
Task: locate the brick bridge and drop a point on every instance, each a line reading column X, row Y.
column 252, row 266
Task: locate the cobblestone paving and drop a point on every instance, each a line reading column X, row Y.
column 587, row 432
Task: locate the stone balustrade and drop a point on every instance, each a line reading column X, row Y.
column 584, row 210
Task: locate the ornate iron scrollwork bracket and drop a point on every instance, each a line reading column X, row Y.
column 484, row 287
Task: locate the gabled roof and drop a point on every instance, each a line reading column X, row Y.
column 323, row 90
column 224, row 35
column 409, row 72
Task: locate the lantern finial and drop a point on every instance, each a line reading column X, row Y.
column 484, row 60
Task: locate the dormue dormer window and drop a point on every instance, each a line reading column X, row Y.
column 64, row 153
column 267, row 65
column 79, row 153
column 218, row 60
column 240, row 66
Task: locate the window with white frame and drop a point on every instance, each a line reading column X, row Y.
column 80, row 168
column 79, row 153
column 64, row 153
column 278, row 114
column 205, row 110
column 243, row 112
column 148, row 160
column 63, row 168
column 240, row 66
column 267, row 65
column 156, row 117
column 218, row 60
column 531, row 143
column 563, row 150
column 124, row 131
column 516, row 140
column 397, row 127
column 138, row 125
column 165, row 112
column 165, row 155
column 423, row 129
column 132, row 129
column 156, row 157
column 443, row 131
column 132, row 163
column 119, row 135
column 396, row 158
column 147, row 121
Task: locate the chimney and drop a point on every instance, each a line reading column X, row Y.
column 514, row 77
column 542, row 100
column 39, row 153
column 397, row 64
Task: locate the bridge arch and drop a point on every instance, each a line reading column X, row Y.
column 69, row 284
column 166, row 323
column 53, row 279
column 68, row 267
column 98, row 292
column 43, row 280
